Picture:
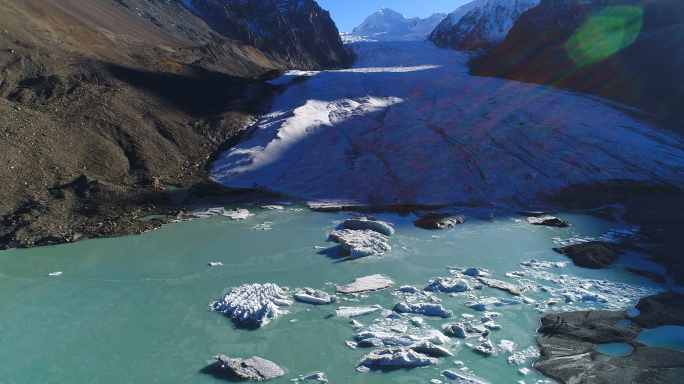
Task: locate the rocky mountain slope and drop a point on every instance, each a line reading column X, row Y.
column 572, row 44
column 106, row 104
column 298, row 32
column 479, row 24
column 389, row 24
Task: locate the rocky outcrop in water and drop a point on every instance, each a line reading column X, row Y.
column 548, row 221
column 254, row 368
column 568, row 344
column 592, row 254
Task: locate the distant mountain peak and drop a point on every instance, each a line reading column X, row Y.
column 388, row 24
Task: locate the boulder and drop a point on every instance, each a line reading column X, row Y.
column 434, row 220
column 592, row 254
column 365, row 222
column 549, row 221
column 366, row 284
column 254, row 368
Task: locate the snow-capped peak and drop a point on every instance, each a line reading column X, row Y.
column 388, row 24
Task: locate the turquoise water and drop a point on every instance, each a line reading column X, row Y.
column 667, row 336
column 134, row 309
column 615, row 349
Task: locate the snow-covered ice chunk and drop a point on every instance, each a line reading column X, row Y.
column 524, row 371
column 54, row 274
column 417, row 321
column 427, row 309
column 505, row 286
column 361, row 243
column 428, row 348
column 255, row 303
column 272, row 207
column 365, row 284
column 355, row 325
column 448, row 285
column 464, row 330
column 408, row 289
column 365, row 222
column 457, row 378
column 354, row 311
column 397, row 357
column 237, row 214
column 486, row 347
column 215, row 264
column 507, row 347
column 316, row 376
column 314, row 296
column 489, row 303
column 472, row 271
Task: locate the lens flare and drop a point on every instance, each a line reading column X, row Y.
column 607, row 32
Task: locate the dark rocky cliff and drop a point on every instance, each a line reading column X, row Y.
column 644, row 70
column 297, row 33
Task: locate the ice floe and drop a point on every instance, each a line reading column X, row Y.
column 53, row 274
column 498, row 284
column 365, row 222
column 427, row 309
column 457, row 378
column 365, row 284
column 345, row 312
column 272, row 207
column 361, row 243
column 397, row 357
column 549, row 221
column 464, row 330
column 314, row 296
column 316, row 376
column 216, row 264
column 255, row 303
column 448, row 285
column 489, row 303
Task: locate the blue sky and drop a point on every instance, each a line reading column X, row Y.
column 348, row 14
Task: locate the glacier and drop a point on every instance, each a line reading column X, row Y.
column 408, row 124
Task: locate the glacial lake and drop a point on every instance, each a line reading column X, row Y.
column 134, row 309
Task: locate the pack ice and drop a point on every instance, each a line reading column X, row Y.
column 407, row 124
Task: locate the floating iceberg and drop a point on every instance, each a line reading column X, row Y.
column 448, row 285
column 53, row 274
column 364, row 222
column 237, row 213
column 489, row 303
column 310, row 295
column 504, row 286
column 345, row 312
column 459, row 379
column 478, row 272
column 255, row 303
column 316, row 376
column 423, row 309
column 361, row 243
column 549, row 221
column 397, row 357
column 367, row 283
column 464, row 330
column 272, row 207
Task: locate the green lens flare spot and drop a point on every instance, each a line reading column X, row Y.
column 607, row 32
